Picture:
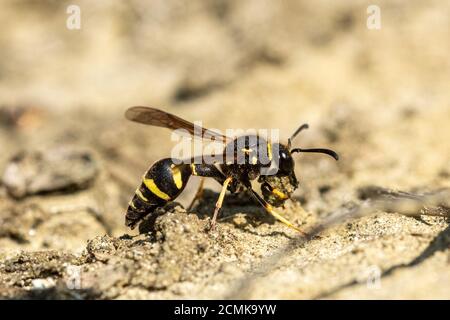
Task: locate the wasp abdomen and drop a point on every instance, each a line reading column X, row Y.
column 162, row 183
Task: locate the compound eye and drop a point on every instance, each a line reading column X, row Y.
column 286, row 163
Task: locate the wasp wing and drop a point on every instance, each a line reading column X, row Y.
column 159, row 118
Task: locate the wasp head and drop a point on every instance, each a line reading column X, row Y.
column 279, row 187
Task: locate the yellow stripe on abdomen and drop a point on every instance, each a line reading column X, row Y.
column 140, row 195
column 176, row 174
column 153, row 188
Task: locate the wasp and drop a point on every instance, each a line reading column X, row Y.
column 239, row 165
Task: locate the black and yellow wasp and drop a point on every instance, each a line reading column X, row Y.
column 241, row 162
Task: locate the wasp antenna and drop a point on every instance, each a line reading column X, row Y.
column 302, row 127
column 329, row 152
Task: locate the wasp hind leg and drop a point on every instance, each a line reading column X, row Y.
column 198, row 194
column 220, row 202
column 205, row 171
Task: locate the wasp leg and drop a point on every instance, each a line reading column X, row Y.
column 198, row 194
column 270, row 210
column 205, row 171
column 208, row 171
column 220, row 201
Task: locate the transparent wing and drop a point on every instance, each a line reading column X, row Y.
column 159, row 118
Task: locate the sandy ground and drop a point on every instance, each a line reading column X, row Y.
column 70, row 162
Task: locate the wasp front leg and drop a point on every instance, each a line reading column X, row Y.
column 270, row 210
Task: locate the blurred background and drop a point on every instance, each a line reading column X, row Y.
column 379, row 97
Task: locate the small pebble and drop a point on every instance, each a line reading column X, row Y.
column 58, row 169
